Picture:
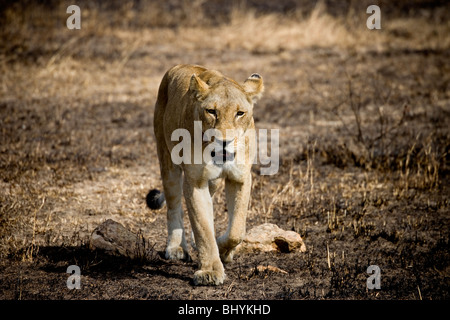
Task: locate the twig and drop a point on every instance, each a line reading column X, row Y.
column 355, row 109
column 33, row 241
column 328, row 257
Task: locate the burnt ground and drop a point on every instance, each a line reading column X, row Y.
column 364, row 147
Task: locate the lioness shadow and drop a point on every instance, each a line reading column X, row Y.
column 102, row 265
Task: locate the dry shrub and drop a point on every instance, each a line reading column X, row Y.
column 423, row 166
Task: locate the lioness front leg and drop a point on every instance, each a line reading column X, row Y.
column 176, row 248
column 200, row 209
column 237, row 197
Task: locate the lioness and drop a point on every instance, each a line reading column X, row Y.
column 190, row 94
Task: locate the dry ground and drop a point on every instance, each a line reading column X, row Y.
column 364, row 144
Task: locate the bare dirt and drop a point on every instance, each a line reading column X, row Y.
column 363, row 117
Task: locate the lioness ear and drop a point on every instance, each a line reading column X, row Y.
column 254, row 86
column 198, row 87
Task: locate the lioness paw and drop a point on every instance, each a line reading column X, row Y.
column 227, row 255
column 176, row 253
column 208, row 277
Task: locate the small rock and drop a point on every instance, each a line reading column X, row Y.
column 270, row 237
column 114, row 238
column 270, row 268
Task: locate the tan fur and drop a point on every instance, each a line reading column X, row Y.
column 185, row 94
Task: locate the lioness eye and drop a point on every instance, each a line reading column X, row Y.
column 211, row 111
column 240, row 113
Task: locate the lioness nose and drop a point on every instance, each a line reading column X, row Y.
column 224, row 143
column 221, row 154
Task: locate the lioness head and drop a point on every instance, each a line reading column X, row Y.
column 224, row 108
